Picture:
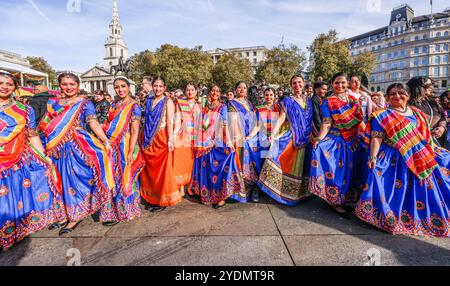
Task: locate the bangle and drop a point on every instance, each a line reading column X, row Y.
column 317, row 139
column 373, row 158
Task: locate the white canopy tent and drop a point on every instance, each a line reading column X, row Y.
column 22, row 70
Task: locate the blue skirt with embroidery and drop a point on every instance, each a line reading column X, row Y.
column 332, row 171
column 82, row 194
column 29, row 201
column 395, row 200
column 216, row 177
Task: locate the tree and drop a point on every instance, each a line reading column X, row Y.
column 142, row 65
column 178, row 66
column 363, row 64
column 281, row 64
column 181, row 66
column 230, row 69
column 40, row 64
column 329, row 55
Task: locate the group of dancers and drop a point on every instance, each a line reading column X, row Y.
column 385, row 166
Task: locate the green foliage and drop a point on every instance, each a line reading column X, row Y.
column 281, row 64
column 40, row 64
column 176, row 65
column 142, row 65
column 329, row 55
column 230, row 69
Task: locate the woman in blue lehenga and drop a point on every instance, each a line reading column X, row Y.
column 242, row 121
column 283, row 172
column 215, row 175
column 30, row 186
column 407, row 190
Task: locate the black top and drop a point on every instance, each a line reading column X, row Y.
column 102, row 110
column 317, row 118
column 39, row 105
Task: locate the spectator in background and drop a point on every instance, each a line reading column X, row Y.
column 320, row 91
column 309, row 91
column 364, row 99
column 230, row 96
column 445, row 103
column 83, row 94
column 101, row 105
column 423, row 97
column 146, row 86
column 379, row 102
column 108, row 98
column 39, row 101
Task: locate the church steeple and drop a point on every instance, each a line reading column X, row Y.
column 115, row 45
column 116, row 28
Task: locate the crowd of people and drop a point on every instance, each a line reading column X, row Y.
column 381, row 156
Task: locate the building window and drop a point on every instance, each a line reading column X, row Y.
column 424, row 61
column 444, row 83
column 395, row 43
column 445, row 59
column 424, row 50
column 389, row 44
column 446, row 34
column 423, row 72
column 255, row 54
column 416, row 38
column 402, row 41
column 416, row 62
column 121, row 53
column 425, row 37
column 373, row 49
column 416, row 50
column 445, row 47
column 437, row 48
column 436, row 71
column 444, row 72
column 255, row 61
column 438, row 34
column 437, row 59
column 402, row 53
column 248, row 54
column 111, row 52
column 395, row 55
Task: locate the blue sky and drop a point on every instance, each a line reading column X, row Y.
column 73, row 40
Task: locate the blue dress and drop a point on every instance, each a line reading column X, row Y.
column 397, row 201
column 30, row 189
column 85, row 168
column 215, row 175
column 333, row 166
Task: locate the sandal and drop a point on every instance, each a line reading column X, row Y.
column 344, row 214
column 218, row 206
column 58, row 225
column 66, row 230
column 110, row 223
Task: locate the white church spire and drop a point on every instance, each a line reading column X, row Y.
column 115, row 45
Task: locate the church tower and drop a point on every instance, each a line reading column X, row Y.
column 115, row 46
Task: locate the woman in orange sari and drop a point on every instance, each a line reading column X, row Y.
column 188, row 118
column 122, row 129
column 158, row 185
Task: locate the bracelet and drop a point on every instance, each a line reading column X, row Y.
column 317, row 139
column 373, row 158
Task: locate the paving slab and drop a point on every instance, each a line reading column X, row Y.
column 149, row 251
column 191, row 218
column 314, row 217
column 383, row 250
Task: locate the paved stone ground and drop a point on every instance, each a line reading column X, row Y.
column 264, row 234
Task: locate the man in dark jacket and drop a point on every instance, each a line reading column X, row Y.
column 101, row 106
column 39, row 101
column 320, row 90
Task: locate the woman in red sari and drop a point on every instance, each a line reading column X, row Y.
column 158, row 185
column 122, row 129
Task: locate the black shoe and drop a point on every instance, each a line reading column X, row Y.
column 57, row 225
column 157, row 209
column 255, row 196
column 218, row 206
column 66, row 230
column 110, row 223
column 344, row 214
